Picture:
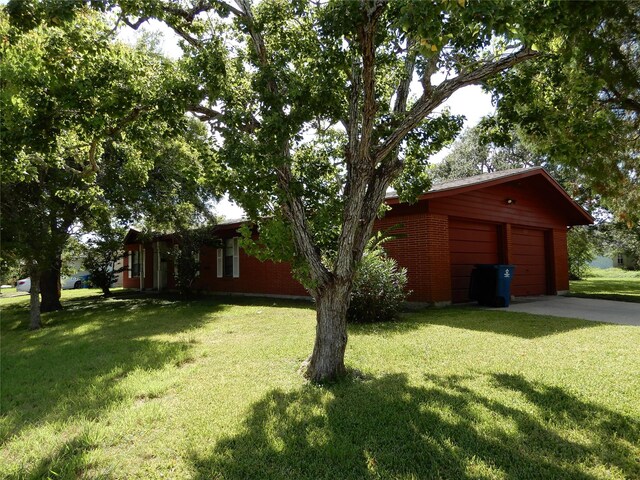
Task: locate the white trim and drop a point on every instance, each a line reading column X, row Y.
column 129, row 263
column 236, row 258
column 220, row 260
column 141, row 268
column 196, row 257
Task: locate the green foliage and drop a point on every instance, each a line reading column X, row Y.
column 581, row 249
column 102, row 253
column 91, row 128
column 316, row 115
column 614, row 238
column 186, row 255
column 580, row 103
column 279, row 81
column 378, row 289
column 473, row 154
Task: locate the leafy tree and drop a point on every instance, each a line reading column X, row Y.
column 579, row 103
column 317, row 114
column 318, row 119
column 473, row 154
column 89, row 126
column 581, row 248
column 186, row 255
column 617, row 237
column 102, row 254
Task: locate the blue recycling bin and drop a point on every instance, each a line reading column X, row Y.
column 491, row 284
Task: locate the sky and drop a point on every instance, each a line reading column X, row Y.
column 469, row 101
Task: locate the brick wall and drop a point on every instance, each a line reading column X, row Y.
column 256, row 277
column 423, row 250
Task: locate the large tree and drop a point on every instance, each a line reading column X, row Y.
column 318, row 114
column 579, row 104
column 89, row 125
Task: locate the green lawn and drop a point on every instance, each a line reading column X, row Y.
column 609, row 284
column 159, row 388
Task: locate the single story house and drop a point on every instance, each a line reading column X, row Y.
column 517, row 216
column 614, row 260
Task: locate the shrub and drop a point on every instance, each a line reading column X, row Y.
column 581, row 251
column 102, row 254
column 378, row 289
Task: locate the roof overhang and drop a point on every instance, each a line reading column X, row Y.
column 578, row 215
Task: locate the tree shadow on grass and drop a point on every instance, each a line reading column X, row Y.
column 388, row 428
column 70, row 460
column 76, row 365
column 503, row 322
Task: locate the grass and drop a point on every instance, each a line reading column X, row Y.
column 608, row 284
column 158, row 388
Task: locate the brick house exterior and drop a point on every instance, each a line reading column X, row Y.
column 517, row 217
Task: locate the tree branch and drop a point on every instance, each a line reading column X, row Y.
column 206, row 114
column 256, row 37
column 135, row 25
column 402, row 93
column 430, row 100
column 366, row 34
column 354, row 102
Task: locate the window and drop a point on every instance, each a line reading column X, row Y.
column 134, row 263
column 620, row 259
column 229, row 259
column 227, row 269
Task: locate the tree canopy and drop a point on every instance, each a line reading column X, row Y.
column 90, row 126
column 579, row 104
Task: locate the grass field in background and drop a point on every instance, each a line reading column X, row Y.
column 608, row 284
column 155, row 387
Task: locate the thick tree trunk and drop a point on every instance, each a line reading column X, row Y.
column 50, row 287
column 106, row 291
column 34, row 313
column 327, row 360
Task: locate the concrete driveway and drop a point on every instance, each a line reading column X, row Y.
column 623, row 313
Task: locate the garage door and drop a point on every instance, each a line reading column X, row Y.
column 469, row 243
column 529, row 257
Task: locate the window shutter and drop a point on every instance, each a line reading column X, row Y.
column 220, row 259
column 236, row 258
column 129, row 266
column 142, row 262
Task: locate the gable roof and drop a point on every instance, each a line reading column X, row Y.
column 485, row 180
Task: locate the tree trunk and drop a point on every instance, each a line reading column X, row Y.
column 106, row 291
column 50, row 287
column 35, row 322
column 327, row 360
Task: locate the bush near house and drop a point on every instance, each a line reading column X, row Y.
column 378, row 289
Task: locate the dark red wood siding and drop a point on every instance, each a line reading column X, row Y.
column 470, row 243
column 529, row 255
column 533, row 205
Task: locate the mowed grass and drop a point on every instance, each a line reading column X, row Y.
column 156, row 387
column 609, row 284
